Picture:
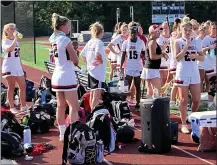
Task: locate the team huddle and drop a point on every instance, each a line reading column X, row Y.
column 185, row 56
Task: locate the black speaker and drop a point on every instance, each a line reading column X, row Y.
column 6, row 3
column 155, row 123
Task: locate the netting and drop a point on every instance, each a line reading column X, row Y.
column 21, row 13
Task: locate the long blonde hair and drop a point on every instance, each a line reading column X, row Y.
column 6, row 26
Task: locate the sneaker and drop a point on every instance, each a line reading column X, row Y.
column 137, row 107
column 212, row 107
column 131, row 102
column 14, row 110
column 185, row 129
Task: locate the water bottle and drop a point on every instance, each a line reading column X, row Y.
column 115, row 76
column 121, row 83
column 43, row 97
column 212, row 53
column 155, row 93
column 16, row 101
column 27, row 135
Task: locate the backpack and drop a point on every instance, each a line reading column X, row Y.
column 9, row 123
column 11, row 144
column 120, row 110
column 99, row 121
column 79, row 144
column 38, row 120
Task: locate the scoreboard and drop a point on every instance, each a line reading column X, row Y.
column 172, row 9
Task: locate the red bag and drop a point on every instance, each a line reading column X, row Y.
column 85, row 103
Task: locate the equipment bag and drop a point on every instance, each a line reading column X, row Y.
column 9, row 123
column 11, row 145
column 79, row 144
column 38, row 120
column 155, row 123
column 99, row 121
column 120, row 110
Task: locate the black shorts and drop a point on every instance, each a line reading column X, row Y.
column 95, row 84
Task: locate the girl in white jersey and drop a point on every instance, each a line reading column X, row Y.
column 199, row 38
column 112, row 57
column 63, row 80
column 133, row 49
column 12, row 69
column 187, row 51
column 176, row 34
column 94, row 55
column 164, row 42
column 116, row 44
column 209, row 43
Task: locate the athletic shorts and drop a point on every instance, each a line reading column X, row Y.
column 133, row 73
column 209, row 66
column 12, row 73
column 164, row 64
column 94, row 84
column 150, row 73
column 186, row 81
column 200, row 64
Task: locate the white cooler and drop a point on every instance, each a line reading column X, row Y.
column 202, row 119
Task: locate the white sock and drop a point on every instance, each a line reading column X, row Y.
column 62, row 129
column 209, row 104
column 172, row 102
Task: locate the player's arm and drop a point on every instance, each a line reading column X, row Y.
column 152, row 50
column 199, row 56
column 143, row 53
column 83, row 54
column 72, row 53
column 111, row 45
column 179, row 54
column 98, row 54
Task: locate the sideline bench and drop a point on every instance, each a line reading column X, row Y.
column 82, row 77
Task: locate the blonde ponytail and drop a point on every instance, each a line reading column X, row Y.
column 6, row 26
column 58, row 20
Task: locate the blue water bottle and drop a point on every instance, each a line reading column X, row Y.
column 43, row 97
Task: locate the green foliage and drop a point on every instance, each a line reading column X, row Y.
column 88, row 12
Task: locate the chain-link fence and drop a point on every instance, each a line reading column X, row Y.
column 22, row 14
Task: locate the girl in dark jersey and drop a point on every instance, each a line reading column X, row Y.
column 154, row 54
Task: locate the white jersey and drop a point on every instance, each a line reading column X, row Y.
column 61, row 57
column 207, row 41
column 114, row 47
column 133, row 51
column 187, row 67
column 93, row 46
column 200, row 63
column 12, row 63
column 61, row 81
column 164, row 41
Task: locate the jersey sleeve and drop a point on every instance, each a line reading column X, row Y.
column 143, row 46
column 115, row 40
column 66, row 41
column 5, row 44
column 198, row 46
column 123, row 47
column 205, row 42
column 100, row 48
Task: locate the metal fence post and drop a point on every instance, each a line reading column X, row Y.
column 33, row 3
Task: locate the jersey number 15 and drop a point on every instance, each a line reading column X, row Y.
column 133, row 55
